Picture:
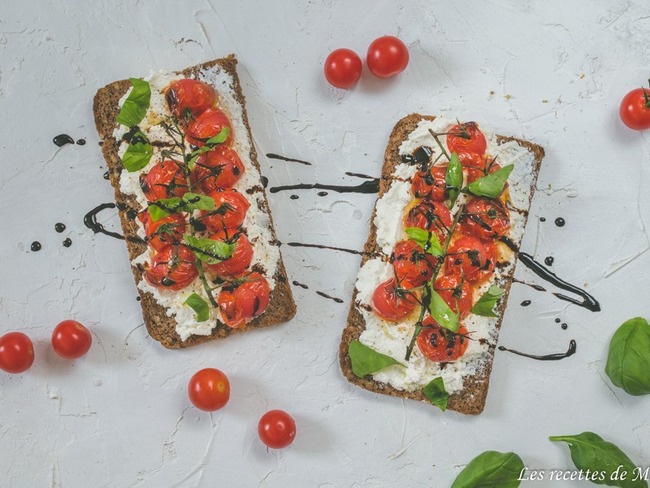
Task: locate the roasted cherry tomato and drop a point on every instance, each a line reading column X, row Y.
column 467, row 141
column 240, row 260
column 208, row 125
column 635, row 109
column 209, row 389
column 387, row 56
column 229, row 212
column 430, row 216
column 218, row 169
column 189, row 98
column 276, row 429
column 165, row 180
column 485, row 219
column 431, row 184
column 456, row 292
column 172, row 268
column 16, row 352
column 343, row 68
column 390, row 303
column 486, row 167
column 164, row 232
column 71, row 340
column 413, row 267
column 441, row 345
column 243, row 301
column 473, row 259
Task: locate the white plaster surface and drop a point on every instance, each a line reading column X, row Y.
column 553, row 72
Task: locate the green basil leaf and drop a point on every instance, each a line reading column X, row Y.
column 208, row 250
column 426, row 240
column 590, row 451
column 209, row 146
column 196, row 201
column 491, row 469
column 487, row 302
column 628, row 361
column 200, row 306
column 219, row 138
column 164, row 207
column 137, row 156
column 436, row 393
column 492, row 185
column 366, row 360
column 454, row 178
column 136, row 104
column 441, row 313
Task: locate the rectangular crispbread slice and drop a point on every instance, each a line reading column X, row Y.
column 161, row 327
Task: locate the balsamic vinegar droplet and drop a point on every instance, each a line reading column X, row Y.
column 294, row 197
column 106, row 176
column 81, row 142
column 560, row 222
column 59, row 227
column 265, row 181
column 557, row 321
column 542, row 219
column 301, row 285
column 525, row 303
column 549, row 260
column 322, row 193
column 565, row 326
column 36, row 246
column 63, row 139
column 67, row 242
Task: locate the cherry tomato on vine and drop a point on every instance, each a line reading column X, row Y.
column 431, row 184
column 164, row 232
column 387, row 56
column 165, row 180
column 217, row 169
column 242, row 301
column 456, row 292
column 467, row 141
column 390, row 303
column 172, row 268
column 439, row 344
column 635, row 109
column 276, row 429
column 229, row 212
column 485, row 219
column 486, row 167
column 188, row 96
column 343, row 68
column 471, row 258
column 413, row 267
column 207, row 125
column 241, row 258
column 71, row 340
column 431, row 216
column 16, row 352
column 209, row 389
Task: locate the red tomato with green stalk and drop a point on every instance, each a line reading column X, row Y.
column 166, row 179
column 189, row 98
column 241, row 257
column 71, row 340
column 229, row 212
column 392, row 303
column 207, row 125
column 635, row 109
column 413, row 267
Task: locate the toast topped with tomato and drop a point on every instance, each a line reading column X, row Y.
column 438, row 264
column 192, row 204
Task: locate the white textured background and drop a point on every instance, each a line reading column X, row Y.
column 553, row 72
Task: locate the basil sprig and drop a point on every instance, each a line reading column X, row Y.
column 491, row 469
column 136, row 104
column 190, row 201
column 441, row 312
column 210, row 144
column 200, row 306
column 485, row 305
column 436, row 393
column 590, row 452
column 492, row 185
column 628, row 361
column 454, row 178
column 366, row 360
column 207, row 250
column 138, row 153
column 428, row 241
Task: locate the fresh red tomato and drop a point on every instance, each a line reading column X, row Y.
column 208, row 125
column 172, row 268
column 189, row 98
column 243, row 301
column 390, row 303
column 343, row 68
column 466, row 140
column 635, row 109
column 71, row 340
column 486, row 167
column 456, row 292
column 430, row 216
column 431, row 184
column 218, row 169
column 387, row 56
column 442, row 345
column 413, row 267
column 209, row 389
column 485, row 219
column 229, row 212
column 164, row 232
column 471, row 258
column 165, row 180
column 16, row 352
column 240, row 260
column 276, row 429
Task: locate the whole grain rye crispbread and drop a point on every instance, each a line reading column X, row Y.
column 471, row 399
column 281, row 306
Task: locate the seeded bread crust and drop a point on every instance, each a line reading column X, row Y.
column 281, row 307
column 471, row 399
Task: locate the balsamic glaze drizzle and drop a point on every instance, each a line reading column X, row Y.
column 360, row 175
column 283, row 158
column 320, row 246
column 90, row 221
column 548, row 357
column 301, row 285
column 106, row 176
column 370, row 186
column 63, row 139
column 325, row 295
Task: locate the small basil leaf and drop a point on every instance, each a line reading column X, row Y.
column 436, row 393
column 590, row 451
column 491, row 469
column 164, row 207
column 219, row 138
column 208, row 250
column 136, row 104
column 366, row 360
column 628, row 361
column 486, row 303
column 137, row 156
column 441, row 313
column 428, row 241
column 454, row 178
column 492, row 185
column 209, row 146
column 200, row 306
column 195, row 201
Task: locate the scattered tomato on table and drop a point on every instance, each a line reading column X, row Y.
column 387, row 56
column 16, row 352
column 276, row 429
column 343, row 68
column 635, row 109
column 209, row 389
column 71, row 340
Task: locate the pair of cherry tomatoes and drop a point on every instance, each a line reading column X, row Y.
column 386, row 57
